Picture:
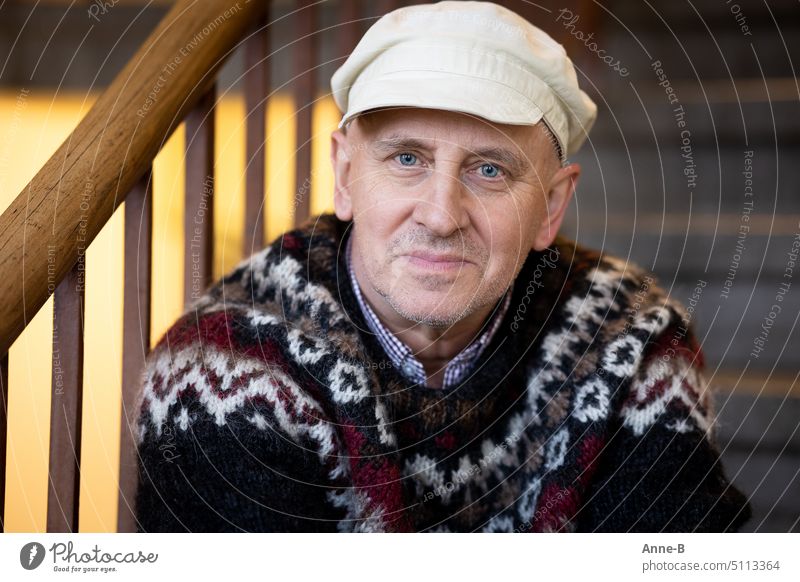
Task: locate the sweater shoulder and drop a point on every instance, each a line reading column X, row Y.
column 638, row 338
column 211, row 368
column 626, row 291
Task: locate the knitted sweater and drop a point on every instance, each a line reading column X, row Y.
column 270, row 406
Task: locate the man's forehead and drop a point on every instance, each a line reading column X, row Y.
column 385, row 126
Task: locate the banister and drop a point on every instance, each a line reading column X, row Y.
column 57, row 215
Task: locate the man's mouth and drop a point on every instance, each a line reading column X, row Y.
column 436, row 261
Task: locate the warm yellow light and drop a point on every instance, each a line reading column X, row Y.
column 32, row 126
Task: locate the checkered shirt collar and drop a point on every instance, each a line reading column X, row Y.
column 400, row 354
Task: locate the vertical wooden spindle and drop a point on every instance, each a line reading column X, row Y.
column 199, row 210
column 256, row 89
column 349, row 30
column 3, row 437
column 135, row 338
column 385, row 6
column 67, row 401
column 305, row 73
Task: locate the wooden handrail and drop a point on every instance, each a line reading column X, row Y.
column 70, row 199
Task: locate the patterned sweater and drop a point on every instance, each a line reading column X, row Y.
column 270, row 406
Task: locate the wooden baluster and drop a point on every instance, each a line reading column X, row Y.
column 135, row 338
column 199, row 211
column 349, row 31
column 256, row 90
column 305, row 72
column 67, row 401
column 3, row 437
column 385, row 6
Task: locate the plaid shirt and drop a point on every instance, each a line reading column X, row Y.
column 400, row 354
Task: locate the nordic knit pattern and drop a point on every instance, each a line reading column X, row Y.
column 270, row 406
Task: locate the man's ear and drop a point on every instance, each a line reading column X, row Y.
column 560, row 191
column 341, row 170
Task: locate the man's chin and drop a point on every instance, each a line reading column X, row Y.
column 438, row 314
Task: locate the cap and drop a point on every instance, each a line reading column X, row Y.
column 473, row 57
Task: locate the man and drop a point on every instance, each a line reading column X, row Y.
column 435, row 357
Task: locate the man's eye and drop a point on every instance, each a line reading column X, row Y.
column 406, row 159
column 493, row 170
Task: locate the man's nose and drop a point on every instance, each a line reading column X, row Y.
column 441, row 206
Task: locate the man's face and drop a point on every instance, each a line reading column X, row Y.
column 445, row 207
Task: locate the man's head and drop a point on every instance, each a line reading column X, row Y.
column 446, row 150
column 424, row 185
column 474, row 57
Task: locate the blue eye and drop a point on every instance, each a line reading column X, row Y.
column 405, row 156
column 491, row 175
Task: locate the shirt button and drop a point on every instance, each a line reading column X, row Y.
column 408, row 368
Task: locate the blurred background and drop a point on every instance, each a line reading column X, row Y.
column 691, row 171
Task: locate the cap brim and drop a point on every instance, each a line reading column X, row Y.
column 446, row 91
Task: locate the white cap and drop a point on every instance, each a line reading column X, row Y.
column 474, row 57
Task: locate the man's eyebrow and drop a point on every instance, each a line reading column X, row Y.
column 505, row 157
column 394, row 142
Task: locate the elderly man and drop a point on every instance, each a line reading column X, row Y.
column 435, row 357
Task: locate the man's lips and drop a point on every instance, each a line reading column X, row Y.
column 438, row 257
column 436, row 261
